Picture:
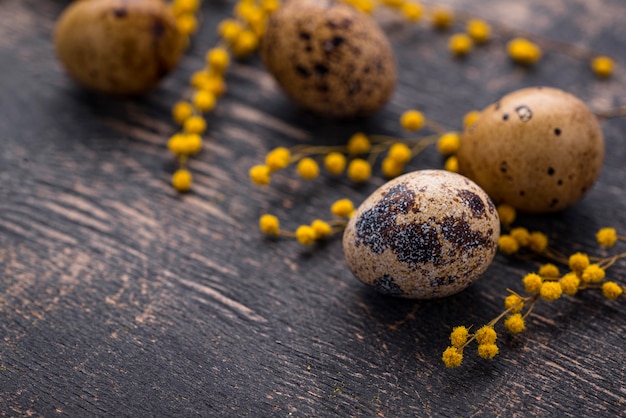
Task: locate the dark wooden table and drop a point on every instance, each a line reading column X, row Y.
column 120, row 297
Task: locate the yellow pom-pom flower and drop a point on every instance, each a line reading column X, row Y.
column 191, row 144
column 506, row 213
column 569, row 284
column 452, row 357
column 611, row 290
column 460, row 44
column 176, row 144
column 593, row 274
column 578, row 262
column 442, row 18
column 255, row 18
column 204, row 100
column 214, row 84
column 458, row 336
column 335, row 163
column 229, row 30
column 260, row 175
column 305, row 235
column 185, row 6
column 195, row 125
column 537, row 241
column 269, row 224
column 342, row 208
column 507, row 244
column 515, row 323
column 449, row 143
column 400, row 152
column 532, row 282
column 185, row 144
column 278, row 158
column 366, row 6
column 181, row 112
column 322, row 229
column 602, row 66
column 486, row 335
column 478, row 30
column 452, row 164
column 550, row 291
column 514, row 303
column 218, row 60
column 607, row 237
column 181, row 180
column 199, row 79
column 470, row 117
column 487, row 351
column 412, row 120
column 391, row 168
column 412, row 11
column 187, row 23
column 359, row 170
column 246, row 43
column 521, row 235
column 248, row 11
column 549, row 270
column 308, row 168
column 358, row 144
column 270, row 6
column 523, row 51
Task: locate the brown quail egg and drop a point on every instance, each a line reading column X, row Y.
column 329, row 57
column 118, row 46
column 425, row 234
column 537, row 149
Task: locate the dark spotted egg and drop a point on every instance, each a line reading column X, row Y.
column 423, row 235
column 329, row 58
column 537, row 149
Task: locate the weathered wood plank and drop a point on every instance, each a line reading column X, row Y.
column 120, row 297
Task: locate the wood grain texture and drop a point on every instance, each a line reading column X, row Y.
column 119, row 297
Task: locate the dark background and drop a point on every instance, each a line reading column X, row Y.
column 120, row 297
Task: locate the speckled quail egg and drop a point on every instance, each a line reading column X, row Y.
column 425, row 234
column 537, row 149
column 329, row 57
column 121, row 47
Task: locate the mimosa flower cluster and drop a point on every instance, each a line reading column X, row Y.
column 318, row 229
column 471, row 32
column 548, row 284
column 356, row 160
column 238, row 37
column 357, row 157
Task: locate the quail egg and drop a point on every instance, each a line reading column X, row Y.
column 329, row 57
column 425, row 234
column 538, row 149
column 118, row 47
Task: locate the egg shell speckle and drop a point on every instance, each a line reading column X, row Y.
column 537, row 149
column 423, row 235
column 330, row 58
